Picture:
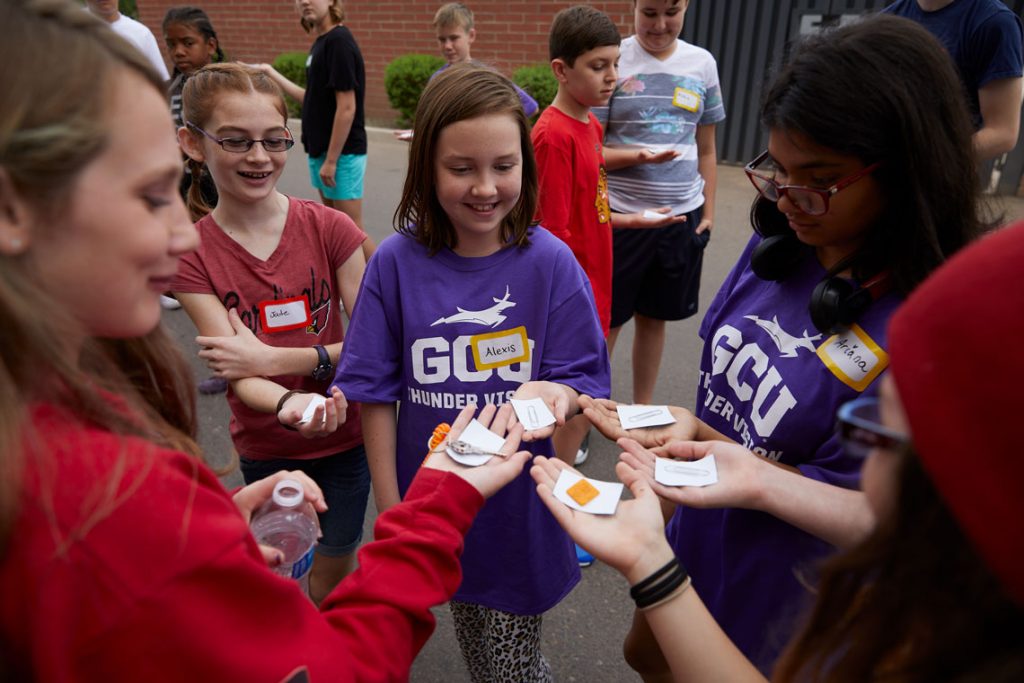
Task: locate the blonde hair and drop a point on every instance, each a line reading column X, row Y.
column 336, row 11
column 199, row 99
column 50, row 130
column 454, row 14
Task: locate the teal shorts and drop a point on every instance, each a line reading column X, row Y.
column 348, row 176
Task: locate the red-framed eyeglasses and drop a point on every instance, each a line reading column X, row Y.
column 810, row 200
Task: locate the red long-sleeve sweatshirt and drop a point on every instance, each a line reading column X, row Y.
column 132, row 563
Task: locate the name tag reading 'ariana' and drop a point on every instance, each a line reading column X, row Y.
column 498, row 349
column 284, row 314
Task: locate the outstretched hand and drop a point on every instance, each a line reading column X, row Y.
column 650, row 156
column 632, row 540
column 602, row 414
column 489, row 478
column 325, row 420
column 560, row 400
column 739, row 472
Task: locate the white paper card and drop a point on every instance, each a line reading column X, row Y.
column 652, row 214
column 317, row 401
column 604, row 504
column 477, row 436
column 635, row 416
column 703, row 472
column 533, row 413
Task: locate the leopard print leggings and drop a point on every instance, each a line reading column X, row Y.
column 500, row 647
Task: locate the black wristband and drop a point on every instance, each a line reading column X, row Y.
column 659, row 585
column 642, row 586
column 280, row 404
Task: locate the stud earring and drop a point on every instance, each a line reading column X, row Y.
column 15, row 243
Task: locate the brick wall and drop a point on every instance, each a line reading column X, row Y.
column 510, row 33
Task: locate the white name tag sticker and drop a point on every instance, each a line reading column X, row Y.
column 498, row 349
column 853, row 357
column 686, row 99
column 284, row 314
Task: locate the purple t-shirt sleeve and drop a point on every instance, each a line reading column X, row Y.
column 575, row 352
column 370, row 367
column 529, row 104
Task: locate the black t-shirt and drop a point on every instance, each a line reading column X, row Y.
column 335, row 64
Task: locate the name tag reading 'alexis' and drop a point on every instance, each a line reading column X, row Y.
column 284, row 314
column 498, row 349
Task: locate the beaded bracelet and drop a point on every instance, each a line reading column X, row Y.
column 660, row 585
column 280, row 404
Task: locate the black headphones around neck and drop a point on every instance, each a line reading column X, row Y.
column 835, row 302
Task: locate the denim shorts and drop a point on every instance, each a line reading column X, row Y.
column 348, row 176
column 345, row 480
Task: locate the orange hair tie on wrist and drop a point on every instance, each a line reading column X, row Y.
column 437, row 438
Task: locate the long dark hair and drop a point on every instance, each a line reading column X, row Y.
column 196, row 19
column 459, row 93
column 884, row 90
column 913, row 602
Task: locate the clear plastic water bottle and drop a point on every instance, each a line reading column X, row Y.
column 288, row 522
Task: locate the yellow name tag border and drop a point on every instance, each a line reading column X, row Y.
column 870, row 345
column 677, row 103
column 481, row 364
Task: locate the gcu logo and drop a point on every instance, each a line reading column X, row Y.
column 734, row 358
column 491, row 317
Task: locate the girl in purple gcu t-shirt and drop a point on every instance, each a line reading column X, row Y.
column 867, row 185
column 470, row 304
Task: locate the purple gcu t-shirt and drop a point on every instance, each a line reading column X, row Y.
column 773, row 383
column 435, row 333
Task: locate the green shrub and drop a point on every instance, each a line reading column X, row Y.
column 404, row 80
column 539, row 82
column 129, row 8
column 292, row 65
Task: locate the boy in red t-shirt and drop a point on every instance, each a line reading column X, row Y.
column 573, row 202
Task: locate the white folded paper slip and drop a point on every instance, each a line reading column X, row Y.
column 533, row 413
column 480, row 438
column 605, row 503
column 636, row 416
column 703, row 472
column 315, row 403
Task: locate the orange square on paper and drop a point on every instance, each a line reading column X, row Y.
column 582, row 492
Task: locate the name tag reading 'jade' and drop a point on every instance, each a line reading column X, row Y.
column 498, row 349
column 284, row 314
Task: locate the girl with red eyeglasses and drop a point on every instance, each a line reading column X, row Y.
column 867, row 185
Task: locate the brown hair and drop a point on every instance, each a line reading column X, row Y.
column 454, row 14
column 49, row 133
column 578, row 29
column 199, row 99
column 337, row 12
column 459, row 93
column 913, row 602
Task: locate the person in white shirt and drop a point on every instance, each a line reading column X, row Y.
column 133, row 31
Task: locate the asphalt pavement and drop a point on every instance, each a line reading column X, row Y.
column 583, row 635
